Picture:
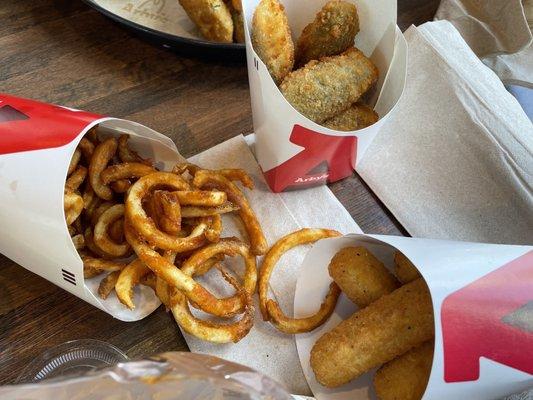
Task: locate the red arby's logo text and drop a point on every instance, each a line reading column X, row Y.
column 490, row 318
column 337, row 153
column 31, row 125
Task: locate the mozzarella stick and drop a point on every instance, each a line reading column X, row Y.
column 385, row 329
column 406, row 376
column 322, row 89
column 404, row 269
column 361, row 276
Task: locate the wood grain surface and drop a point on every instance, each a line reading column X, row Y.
column 62, row 51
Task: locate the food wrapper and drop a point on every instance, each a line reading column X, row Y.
column 482, row 302
column 295, row 152
column 37, row 141
column 167, row 376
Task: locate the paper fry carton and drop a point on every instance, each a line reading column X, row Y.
column 482, row 297
column 37, row 141
column 295, row 152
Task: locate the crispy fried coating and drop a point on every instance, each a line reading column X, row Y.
column 405, row 377
column 361, row 276
column 212, row 17
column 272, row 40
column 238, row 22
column 404, row 269
column 324, row 88
column 332, row 32
column 358, row 116
column 377, row 334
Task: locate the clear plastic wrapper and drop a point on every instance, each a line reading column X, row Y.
column 184, row 376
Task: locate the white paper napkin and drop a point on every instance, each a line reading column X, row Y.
column 456, row 159
column 265, row 348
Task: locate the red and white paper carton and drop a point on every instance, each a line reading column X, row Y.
column 37, row 141
column 482, row 298
column 295, row 152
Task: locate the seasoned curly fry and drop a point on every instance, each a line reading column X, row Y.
column 125, row 170
column 301, row 325
column 127, row 155
column 195, row 212
column 98, row 211
column 101, row 236
column 116, row 231
column 120, row 186
column 146, row 226
column 166, row 211
column 101, row 265
column 213, row 232
column 212, row 17
column 87, row 149
column 201, row 198
column 108, row 284
column 175, row 277
column 211, row 179
column 74, row 161
column 230, row 247
column 73, row 205
column 323, row 89
column 303, row 236
column 209, row 331
column 89, row 243
column 233, row 174
column 75, row 179
column 128, row 278
column 331, row 33
column 103, row 153
column 79, row 241
column 271, row 38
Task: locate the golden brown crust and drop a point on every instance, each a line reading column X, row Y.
column 374, row 335
column 404, row 269
column 357, row 116
column 322, row 89
column 406, row 376
column 212, row 17
column 361, row 276
column 332, row 32
column 271, row 38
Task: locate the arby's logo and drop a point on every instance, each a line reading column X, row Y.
column 335, row 153
column 31, row 125
column 492, row 318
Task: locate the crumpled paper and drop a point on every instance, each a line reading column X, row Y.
column 455, row 161
column 498, row 32
column 265, row 348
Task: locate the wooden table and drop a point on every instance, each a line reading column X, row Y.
column 63, row 52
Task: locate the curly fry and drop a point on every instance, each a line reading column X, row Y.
column 74, row 161
column 120, row 186
column 108, row 284
column 210, row 331
column 230, row 247
column 103, row 153
column 116, row 231
column 98, row 211
column 233, row 174
column 210, row 179
column 201, row 198
column 195, row 212
column 100, row 264
column 101, row 236
column 136, row 214
column 301, row 325
column 87, row 148
column 175, row 277
column 166, row 211
column 89, row 243
column 128, row 278
column 127, row 155
column 75, row 179
column 213, row 232
column 79, row 241
column 303, row 236
column 73, row 205
column 126, row 170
